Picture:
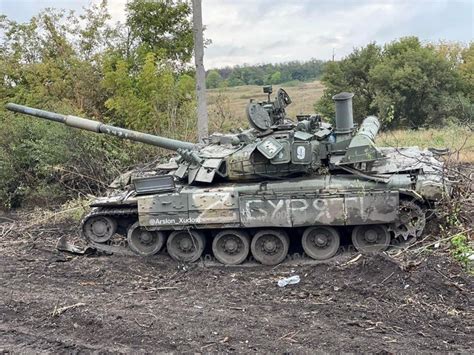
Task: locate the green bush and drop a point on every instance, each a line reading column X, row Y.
column 461, row 250
column 46, row 163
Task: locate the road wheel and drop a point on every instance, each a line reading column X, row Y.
column 270, row 246
column 99, row 229
column 143, row 242
column 186, row 246
column 320, row 242
column 231, row 247
column 371, row 238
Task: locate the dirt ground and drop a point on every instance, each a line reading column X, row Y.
column 57, row 302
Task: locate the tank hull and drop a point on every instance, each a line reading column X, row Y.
column 265, row 218
column 337, row 200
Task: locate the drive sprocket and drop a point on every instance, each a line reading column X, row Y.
column 410, row 223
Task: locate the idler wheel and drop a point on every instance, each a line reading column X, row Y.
column 143, row 242
column 186, row 246
column 270, row 246
column 371, row 238
column 99, row 229
column 231, row 247
column 320, row 242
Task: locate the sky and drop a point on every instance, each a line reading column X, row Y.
column 272, row 31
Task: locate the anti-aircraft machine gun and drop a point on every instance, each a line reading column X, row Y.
column 256, row 192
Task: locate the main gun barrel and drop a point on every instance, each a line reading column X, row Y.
column 98, row 127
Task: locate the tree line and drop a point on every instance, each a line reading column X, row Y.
column 264, row 74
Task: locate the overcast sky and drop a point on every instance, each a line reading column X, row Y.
column 262, row 31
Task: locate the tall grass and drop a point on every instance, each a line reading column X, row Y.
column 459, row 140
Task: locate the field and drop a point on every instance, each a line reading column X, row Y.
column 231, row 102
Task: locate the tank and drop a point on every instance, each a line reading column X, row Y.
column 283, row 183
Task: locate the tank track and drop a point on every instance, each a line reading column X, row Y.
column 100, row 211
column 118, row 244
column 114, row 246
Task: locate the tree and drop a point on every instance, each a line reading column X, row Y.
column 213, row 80
column 153, row 99
column 275, row 78
column 351, row 74
column 261, row 74
column 235, row 79
column 54, row 62
column 80, row 65
column 405, row 83
column 163, row 26
column 466, row 70
column 412, row 83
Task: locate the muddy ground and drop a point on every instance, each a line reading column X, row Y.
column 57, row 302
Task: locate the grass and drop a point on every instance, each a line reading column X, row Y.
column 231, row 102
column 459, row 140
column 226, row 109
column 461, row 250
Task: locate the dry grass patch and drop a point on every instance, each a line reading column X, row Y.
column 226, row 106
column 459, row 140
